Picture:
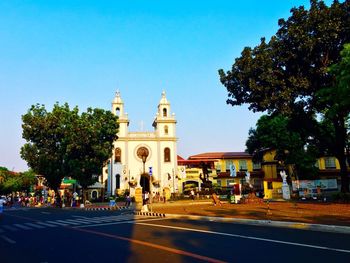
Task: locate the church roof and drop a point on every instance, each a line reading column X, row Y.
column 117, row 98
column 163, row 100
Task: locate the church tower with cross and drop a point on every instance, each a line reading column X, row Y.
column 145, row 160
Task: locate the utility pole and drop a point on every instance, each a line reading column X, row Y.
column 111, row 176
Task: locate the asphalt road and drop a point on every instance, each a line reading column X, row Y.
column 66, row 235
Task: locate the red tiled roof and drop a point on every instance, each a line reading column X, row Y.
column 179, row 158
column 220, row 155
column 185, row 162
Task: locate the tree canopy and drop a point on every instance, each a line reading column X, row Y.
column 65, row 143
column 292, row 147
column 12, row 181
column 298, row 69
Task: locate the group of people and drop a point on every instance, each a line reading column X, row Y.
column 52, row 199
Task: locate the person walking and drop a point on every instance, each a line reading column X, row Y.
column 164, row 196
column 192, row 194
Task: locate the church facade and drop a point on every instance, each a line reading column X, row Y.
column 146, row 160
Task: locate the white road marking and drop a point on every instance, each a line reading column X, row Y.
column 34, row 225
column 246, row 237
column 122, row 222
column 8, row 239
column 46, row 224
column 57, row 223
column 80, row 216
column 67, row 222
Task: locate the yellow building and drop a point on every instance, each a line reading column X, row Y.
column 220, row 169
column 264, row 176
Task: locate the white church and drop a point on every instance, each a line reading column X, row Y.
column 143, row 159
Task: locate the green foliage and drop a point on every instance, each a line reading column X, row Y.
column 299, row 70
column 63, row 143
column 92, row 145
column 292, row 145
column 12, row 182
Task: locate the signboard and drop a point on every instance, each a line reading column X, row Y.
column 324, row 184
column 138, row 195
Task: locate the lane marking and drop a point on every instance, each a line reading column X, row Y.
column 152, row 245
column 34, row 225
column 246, row 237
column 66, row 223
column 121, row 222
column 45, row 224
column 8, row 239
column 57, row 223
column 80, row 216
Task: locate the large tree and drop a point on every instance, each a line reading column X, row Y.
column 92, row 145
column 286, row 74
column 62, row 142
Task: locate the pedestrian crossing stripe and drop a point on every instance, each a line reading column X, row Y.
column 75, row 222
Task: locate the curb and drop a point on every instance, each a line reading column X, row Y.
column 282, row 224
column 149, row 214
column 113, row 208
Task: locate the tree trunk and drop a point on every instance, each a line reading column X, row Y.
column 340, row 142
column 344, row 179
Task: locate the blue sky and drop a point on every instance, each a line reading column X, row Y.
column 81, row 52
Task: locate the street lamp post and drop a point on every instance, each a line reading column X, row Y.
column 173, row 185
column 111, row 176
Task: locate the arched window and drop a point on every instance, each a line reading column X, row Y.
column 164, row 112
column 117, row 111
column 166, row 155
column 166, row 129
column 117, row 155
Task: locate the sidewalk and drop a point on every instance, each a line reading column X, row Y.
column 301, row 212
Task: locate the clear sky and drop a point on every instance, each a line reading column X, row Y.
column 81, row 52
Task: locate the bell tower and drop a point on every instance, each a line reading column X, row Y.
column 118, row 109
column 165, row 122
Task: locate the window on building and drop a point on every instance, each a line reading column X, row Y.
column 243, row 165
column 166, row 129
column 230, row 182
column 256, row 166
column 166, row 155
column 330, row 163
column 269, row 185
column 165, row 114
column 228, row 164
column 218, row 167
column 117, row 155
